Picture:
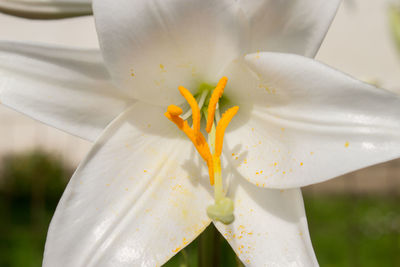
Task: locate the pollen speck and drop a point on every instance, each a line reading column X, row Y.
column 301, row 163
column 162, row 68
column 346, row 144
column 144, row 170
column 176, row 250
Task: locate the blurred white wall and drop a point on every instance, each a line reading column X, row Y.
column 358, row 43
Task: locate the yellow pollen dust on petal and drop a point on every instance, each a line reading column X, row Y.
column 216, row 95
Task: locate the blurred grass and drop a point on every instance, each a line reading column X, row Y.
column 30, row 187
column 355, row 230
column 347, row 230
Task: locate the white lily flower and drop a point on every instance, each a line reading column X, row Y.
column 46, row 9
column 142, row 193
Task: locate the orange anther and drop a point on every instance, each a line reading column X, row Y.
column 194, row 106
column 174, row 110
column 216, row 95
column 221, row 127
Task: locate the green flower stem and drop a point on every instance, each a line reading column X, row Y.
column 207, row 247
column 185, row 259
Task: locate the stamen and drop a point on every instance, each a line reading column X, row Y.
column 201, row 101
column 222, row 209
column 195, row 108
column 187, row 114
column 202, row 98
column 216, row 95
column 221, row 127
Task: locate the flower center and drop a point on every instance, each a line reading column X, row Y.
column 222, row 209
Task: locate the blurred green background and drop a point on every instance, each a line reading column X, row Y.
column 347, row 230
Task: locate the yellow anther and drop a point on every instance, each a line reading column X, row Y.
column 174, row 110
column 195, row 108
column 220, row 130
column 216, row 95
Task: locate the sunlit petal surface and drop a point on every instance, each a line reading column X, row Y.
column 152, row 47
column 270, row 227
column 305, row 123
column 288, row 26
column 137, row 199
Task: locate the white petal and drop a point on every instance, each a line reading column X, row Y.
column 46, row 9
column 66, row 88
column 138, row 198
column 270, row 227
column 288, row 26
column 308, row 123
column 152, row 47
